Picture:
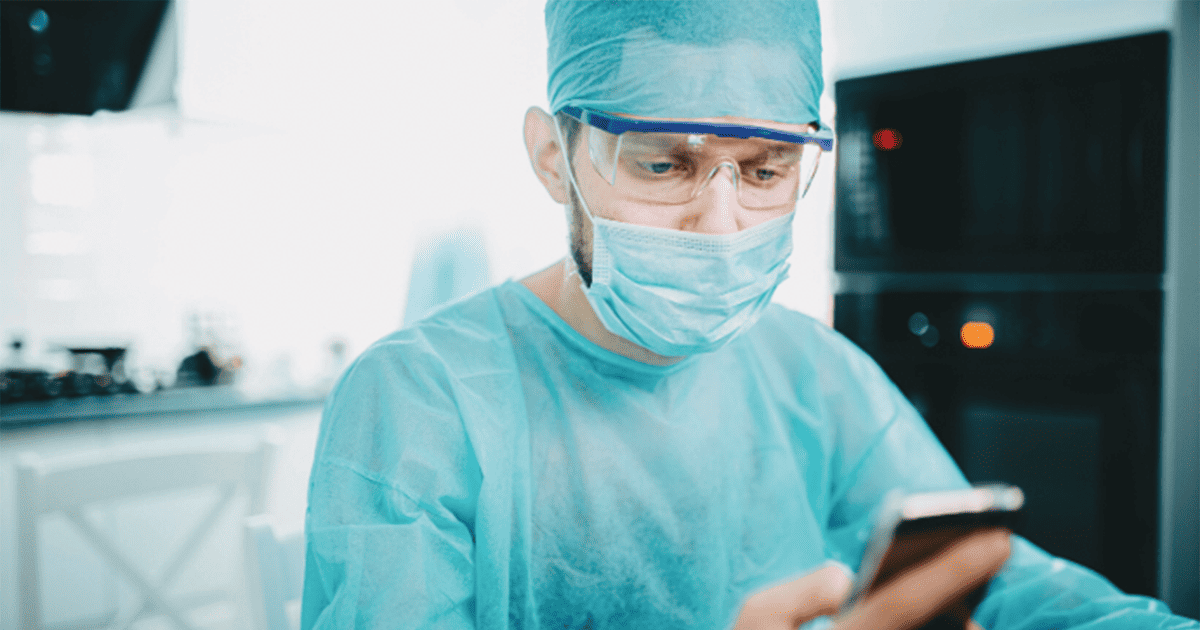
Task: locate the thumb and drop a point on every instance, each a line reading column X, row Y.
column 793, row 603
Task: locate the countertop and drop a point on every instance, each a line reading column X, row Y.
column 162, row 402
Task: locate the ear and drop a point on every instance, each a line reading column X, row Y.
column 545, row 155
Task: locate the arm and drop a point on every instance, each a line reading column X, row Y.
column 391, row 505
column 1037, row 590
column 390, row 563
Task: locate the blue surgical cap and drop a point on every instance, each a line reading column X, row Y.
column 687, row 58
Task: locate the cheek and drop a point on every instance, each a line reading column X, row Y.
column 755, row 217
column 592, row 188
column 670, row 217
column 685, row 218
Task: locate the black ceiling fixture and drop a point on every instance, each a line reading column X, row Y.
column 74, row 56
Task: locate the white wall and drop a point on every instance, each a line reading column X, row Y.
column 871, row 36
column 316, row 144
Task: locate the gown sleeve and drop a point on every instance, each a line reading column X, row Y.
column 882, row 444
column 381, row 554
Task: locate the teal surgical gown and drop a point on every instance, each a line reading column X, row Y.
column 489, row 467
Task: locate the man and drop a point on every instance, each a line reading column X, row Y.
column 635, row 437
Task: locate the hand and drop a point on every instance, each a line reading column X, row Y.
column 920, row 593
column 908, row 601
column 800, row 601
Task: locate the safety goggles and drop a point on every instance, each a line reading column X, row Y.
column 670, row 162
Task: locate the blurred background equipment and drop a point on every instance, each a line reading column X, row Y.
column 999, row 250
column 101, row 371
column 94, row 371
column 198, row 369
column 21, row 382
column 75, row 56
column 105, row 375
column 449, row 265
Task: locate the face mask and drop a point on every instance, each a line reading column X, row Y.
column 679, row 293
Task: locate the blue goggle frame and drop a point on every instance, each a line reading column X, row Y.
column 617, row 125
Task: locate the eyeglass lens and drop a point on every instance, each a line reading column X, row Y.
column 673, row 168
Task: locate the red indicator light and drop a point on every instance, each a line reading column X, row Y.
column 977, row 335
column 887, row 139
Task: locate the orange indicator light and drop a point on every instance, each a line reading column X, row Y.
column 977, row 335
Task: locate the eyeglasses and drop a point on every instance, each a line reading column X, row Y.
column 670, row 162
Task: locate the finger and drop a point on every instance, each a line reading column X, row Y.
column 916, row 595
column 799, row 601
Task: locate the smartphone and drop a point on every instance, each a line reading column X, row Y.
column 912, row 528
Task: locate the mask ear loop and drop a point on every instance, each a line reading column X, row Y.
column 571, row 268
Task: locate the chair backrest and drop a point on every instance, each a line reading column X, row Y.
column 67, row 485
column 275, row 567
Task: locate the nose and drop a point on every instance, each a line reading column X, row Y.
column 716, row 208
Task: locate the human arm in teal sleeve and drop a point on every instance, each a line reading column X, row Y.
column 391, row 509
column 1033, row 591
column 1036, row 590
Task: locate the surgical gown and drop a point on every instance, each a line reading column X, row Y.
column 489, row 467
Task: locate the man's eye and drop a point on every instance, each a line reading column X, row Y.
column 658, row 168
column 765, row 174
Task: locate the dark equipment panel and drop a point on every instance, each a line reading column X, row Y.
column 1064, row 404
column 1043, row 162
column 1022, row 196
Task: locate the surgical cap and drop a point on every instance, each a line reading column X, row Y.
column 756, row 59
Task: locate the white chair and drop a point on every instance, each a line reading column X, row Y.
column 69, row 485
column 275, row 568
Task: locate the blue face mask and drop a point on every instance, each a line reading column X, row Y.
column 679, row 293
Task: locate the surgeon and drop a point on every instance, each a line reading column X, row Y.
column 635, row 437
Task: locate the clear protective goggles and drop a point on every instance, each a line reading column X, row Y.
column 670, row 162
